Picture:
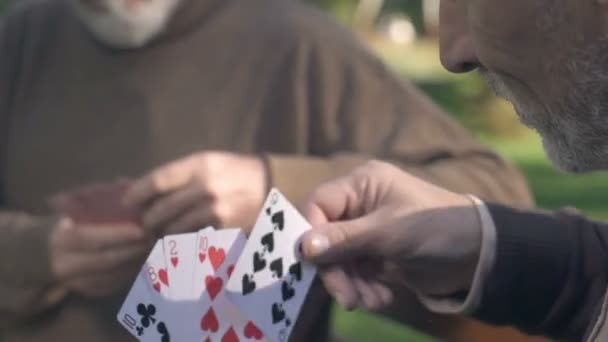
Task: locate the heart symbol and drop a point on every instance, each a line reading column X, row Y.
column 268, row 242
column 156, row 287
column 209, row 321
column 251, row 331
column 296, row 271
column 258, row 263
column 278, row 314
column 162, row 275
column 214, row 286
column 217, row 257
column 287, row 291
column 277, row 268
column 230, row 336
column 174, row 261
column 230, row 270
column 207, row 339
column 201, row 257
column 248, row 284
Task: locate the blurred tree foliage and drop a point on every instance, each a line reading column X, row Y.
column 344, row 10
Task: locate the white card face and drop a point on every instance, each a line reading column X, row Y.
column 180, row 254
column 269, row 284
column 155, row 270
column 143, row 313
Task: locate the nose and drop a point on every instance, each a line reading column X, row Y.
column 456, row 46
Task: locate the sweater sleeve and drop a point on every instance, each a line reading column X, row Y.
column 26, row 285
column 550, row 273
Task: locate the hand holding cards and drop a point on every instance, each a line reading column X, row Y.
column 216, row 285
column 96, row 204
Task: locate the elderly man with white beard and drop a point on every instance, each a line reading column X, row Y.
column 206, row 104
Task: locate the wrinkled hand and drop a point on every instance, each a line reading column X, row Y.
column 211, row 188
column 97, row 260
column 379, row 230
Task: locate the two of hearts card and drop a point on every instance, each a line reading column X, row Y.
column 220, row 285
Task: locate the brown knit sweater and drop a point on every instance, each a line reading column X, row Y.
column 265, row 76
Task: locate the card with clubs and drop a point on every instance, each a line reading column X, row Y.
column 143, row 312
column 269, row 282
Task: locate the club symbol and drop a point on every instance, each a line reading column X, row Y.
column 147, row 313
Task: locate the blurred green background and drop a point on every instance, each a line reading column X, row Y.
column 403, row 33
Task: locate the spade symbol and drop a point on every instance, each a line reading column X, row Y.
column 164, row 332
column 287, row 291
column 278, row 220
column 287, row 322
column 258, row 262
column 268, row 242
column 278, row 314
column 268, row 211
column 277, row 268
column 248, row 284
column 296, row 271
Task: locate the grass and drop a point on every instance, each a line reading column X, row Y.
column 552, row 189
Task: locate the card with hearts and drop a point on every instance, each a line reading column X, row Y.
column 219, row 285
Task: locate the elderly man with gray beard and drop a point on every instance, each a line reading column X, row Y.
column 380, row 230
column 206, row 104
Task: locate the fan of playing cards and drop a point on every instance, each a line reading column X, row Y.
column 217, row 285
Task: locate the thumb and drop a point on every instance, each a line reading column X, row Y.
column 338, row 242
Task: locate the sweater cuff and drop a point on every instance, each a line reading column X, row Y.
column 532, row 254
column 472, row 299
column 35, row 266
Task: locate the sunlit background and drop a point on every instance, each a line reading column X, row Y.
column 404, row 34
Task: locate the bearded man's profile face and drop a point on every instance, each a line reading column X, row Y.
column 125, row 23
column 549, row 58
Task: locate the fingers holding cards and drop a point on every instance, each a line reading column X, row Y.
column 268, row 276
column 98, row 203
column 223, row 286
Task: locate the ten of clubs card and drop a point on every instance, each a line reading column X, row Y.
column 219, row 285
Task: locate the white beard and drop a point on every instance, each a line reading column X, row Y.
column 119, row 27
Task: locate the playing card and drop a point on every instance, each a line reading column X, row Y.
column 218, row 253
column 269, row 283
column 96, row 204
column 155, row 269
column 180, row 252
column 223, row 322
column 142, row 313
